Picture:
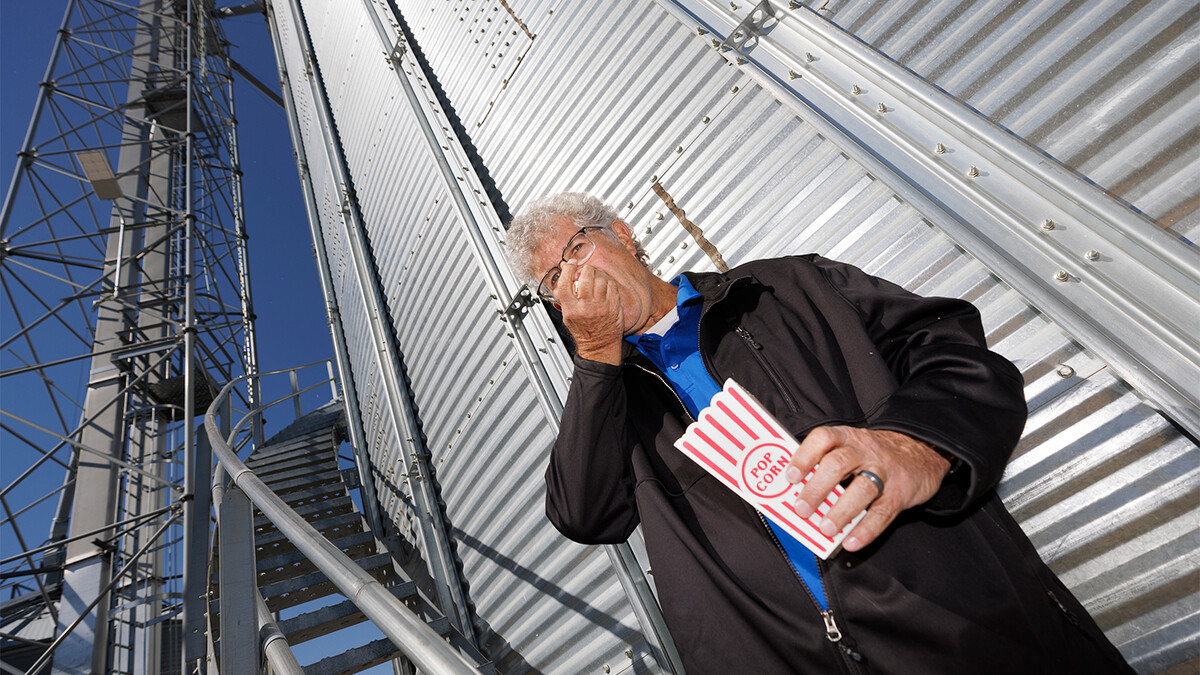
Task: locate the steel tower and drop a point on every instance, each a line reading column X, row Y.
column 123, row 276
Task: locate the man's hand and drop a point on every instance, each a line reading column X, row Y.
column 911, row 472
column 591, row 307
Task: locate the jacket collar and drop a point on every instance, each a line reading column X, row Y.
column 712, row 286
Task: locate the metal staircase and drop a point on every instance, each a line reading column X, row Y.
column 299, row 466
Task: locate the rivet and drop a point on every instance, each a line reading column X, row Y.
column 733, row 6
column 882, row 108
column 716, row 43
column 649, row 571
column 1092, row 255
column 670, row 259
column 738, row 35
column 647, row 231
column 679, row 148
column 741, row 61
column 658, row 216
column 792, row 4
column 683, row 245
column 1065, row 371
column 973, row 172
column 939, row 148
column 629, row 205
column 1061, row 275
column 700, row 31
column 809, row 57
column 653, row 178
column 854, row 89
column 606, row 668
column 629, row 653
column 1047, row 224
column 706, row 119
column 792, row 75
column 733, row 89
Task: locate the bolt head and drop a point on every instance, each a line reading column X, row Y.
column 1047, row 224
column 1061, row 275
column 792, row 75
column 855, row 89
column 1065, row 371
column 882, row 108
column 809, row 57
column 1093, row 255
column 973, row 172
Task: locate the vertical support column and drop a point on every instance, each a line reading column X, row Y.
column 239, row 622
column 94, row 504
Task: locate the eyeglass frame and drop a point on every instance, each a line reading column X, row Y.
column 547, row 295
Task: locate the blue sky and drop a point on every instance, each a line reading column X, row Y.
column 287, row 293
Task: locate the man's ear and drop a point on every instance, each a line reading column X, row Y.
column 625, row 236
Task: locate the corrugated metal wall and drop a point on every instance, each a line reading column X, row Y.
column 608, row 97
column 1110, row 89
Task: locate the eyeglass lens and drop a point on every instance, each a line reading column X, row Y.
column 578, row 250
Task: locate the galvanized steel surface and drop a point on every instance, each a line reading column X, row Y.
column 1110, row 89
column 654, row 101
column 459, row 359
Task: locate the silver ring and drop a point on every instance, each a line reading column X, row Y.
column 874, row 478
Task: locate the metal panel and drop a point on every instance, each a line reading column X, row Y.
column 1110, row 89
column 424, row 280
column 653, row 100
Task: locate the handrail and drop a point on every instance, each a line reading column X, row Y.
column 420, row 643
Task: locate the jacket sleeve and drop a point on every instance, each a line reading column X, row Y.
column 953, row 392
column 589, row 482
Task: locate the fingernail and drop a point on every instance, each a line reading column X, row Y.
column 792, row 474
column 803, row 509
column 850, row 544
column 828, row 528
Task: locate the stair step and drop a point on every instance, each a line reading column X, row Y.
column 291, row 592
column 283, row 487
column 280, row 545
column 332, row 505
column 295, row 477
column 263, row 469
column 312, row 497
column 332, row 618
column 325, row 526
column 322, row 436
column 355, row 660
column 294, row 563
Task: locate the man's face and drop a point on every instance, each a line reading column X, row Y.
column 614, row 256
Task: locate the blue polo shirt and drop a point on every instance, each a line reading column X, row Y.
column 677, row 354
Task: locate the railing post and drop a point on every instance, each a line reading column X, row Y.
column 295, row 392
column 239, row 625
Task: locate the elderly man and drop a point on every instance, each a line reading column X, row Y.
column 895, row 393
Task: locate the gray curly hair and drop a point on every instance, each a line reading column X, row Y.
column 536, row 223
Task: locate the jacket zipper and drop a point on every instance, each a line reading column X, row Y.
column 851, row 657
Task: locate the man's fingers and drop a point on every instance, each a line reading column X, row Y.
column 815, row 445
column 858, row 496
column 879, row 516
column 833, row 469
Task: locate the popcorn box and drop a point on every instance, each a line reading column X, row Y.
column 739, row 442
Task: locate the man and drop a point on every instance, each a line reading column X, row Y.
column 895, row 393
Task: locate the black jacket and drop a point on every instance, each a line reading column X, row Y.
column 951, row 587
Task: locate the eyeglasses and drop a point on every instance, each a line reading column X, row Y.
column 578, row 250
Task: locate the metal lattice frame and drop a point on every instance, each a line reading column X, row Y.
column 126, row 304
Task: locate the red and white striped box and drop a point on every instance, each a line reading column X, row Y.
column 739, row 442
